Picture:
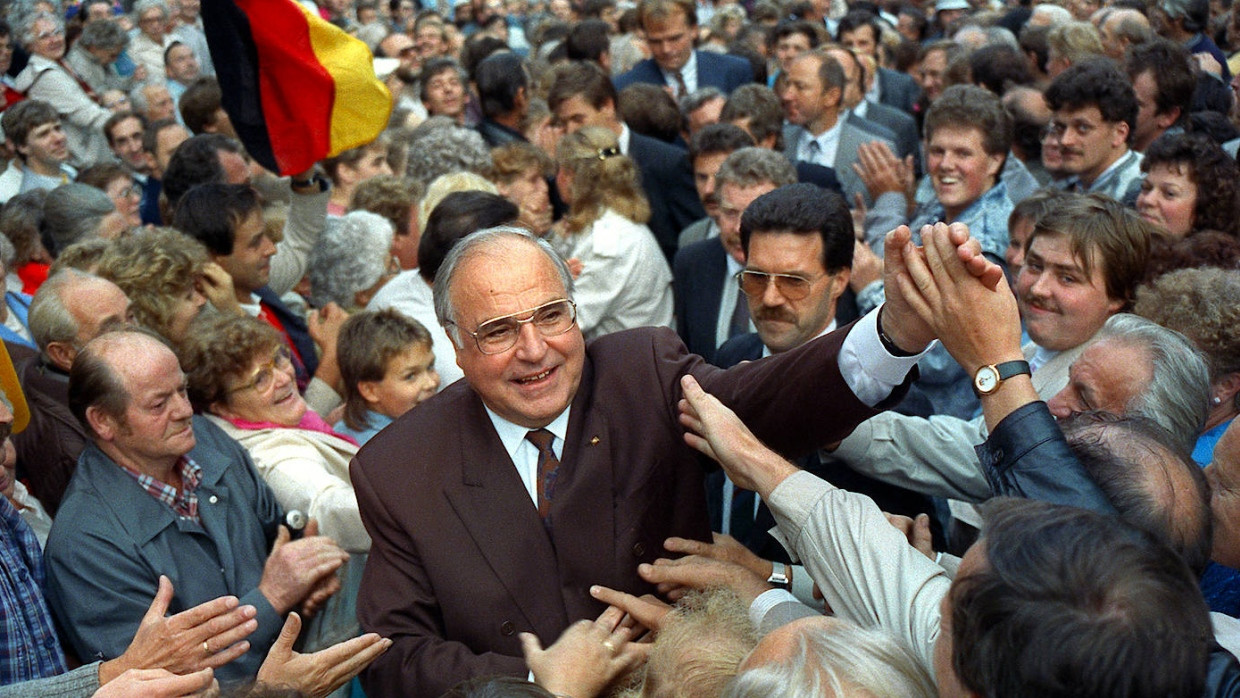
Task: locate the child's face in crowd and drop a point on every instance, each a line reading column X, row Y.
column 409, row 379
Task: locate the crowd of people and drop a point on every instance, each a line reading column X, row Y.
column 659, row 348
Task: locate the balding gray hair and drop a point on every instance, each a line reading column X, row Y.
column 50, row 319
column 842, row 659
column 749, row 167
column 478, row 242
column 1177, row 397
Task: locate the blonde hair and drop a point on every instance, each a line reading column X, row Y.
column 603, row 179
column 450, row 184
column 154, row 268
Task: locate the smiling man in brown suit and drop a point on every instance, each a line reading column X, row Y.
column 481, row 533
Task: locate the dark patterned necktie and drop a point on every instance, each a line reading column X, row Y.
column 548, row 467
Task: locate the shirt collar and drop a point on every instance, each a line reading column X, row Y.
column 513, row 435
column 624, row 138
column 766, row 351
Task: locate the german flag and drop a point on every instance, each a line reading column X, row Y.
column 297, row 88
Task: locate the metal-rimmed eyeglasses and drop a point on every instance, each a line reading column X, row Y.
column 498, row 335
column 265, row 376
column 794, row 287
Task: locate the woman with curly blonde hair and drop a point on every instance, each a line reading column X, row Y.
column 168, row 279
column 624, row 280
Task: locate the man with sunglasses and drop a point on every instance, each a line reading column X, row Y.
column 493, row 507
column 798, row 243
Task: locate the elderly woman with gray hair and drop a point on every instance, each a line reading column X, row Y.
column 93, row 57
column 75, row 212
column 48, row 78
column 352, row 261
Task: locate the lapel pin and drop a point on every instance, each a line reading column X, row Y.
column 593, row 440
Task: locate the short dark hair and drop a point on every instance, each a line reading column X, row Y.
column 1036, row 40
column 457, row 215
column 25, row 116
column 434, row 67
column 588, row 40
column 1101, row 231
column 119, row 117
column 584, row 79
column 1171, row 67
column 200, row 104
column 368, row 341
column 196, row 161
column 210, row 213
column 918, row 16
column 651, row 111
column 1096, row 82
column 714, row 139
column 150, row 136
column 997, row 67
column 968, row 107
column 857, row 19
column 1106, row 608
column 1130, row 458
column 499, row 77
column 760, row 105
column 804, row 209
column 1216, row 174
column 788, row 27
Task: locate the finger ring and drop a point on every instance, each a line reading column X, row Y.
column 205, row 647
column 611, row 647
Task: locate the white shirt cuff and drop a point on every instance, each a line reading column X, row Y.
column 868, row 368
column 765, row 602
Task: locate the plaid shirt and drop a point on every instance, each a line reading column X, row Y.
column 29, row 648
column 184, row 503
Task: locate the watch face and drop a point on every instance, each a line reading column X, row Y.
column 986, row 379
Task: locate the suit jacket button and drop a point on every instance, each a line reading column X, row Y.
column 507, row 629
column 638, row 550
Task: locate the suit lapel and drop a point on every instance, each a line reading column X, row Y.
column 495, row 508
column 582, row 512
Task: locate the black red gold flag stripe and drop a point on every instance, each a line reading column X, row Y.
column 297, row 88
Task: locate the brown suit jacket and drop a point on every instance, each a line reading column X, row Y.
column 461, row 562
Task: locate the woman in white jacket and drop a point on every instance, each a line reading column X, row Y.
column 623, row 279
column 239, row 373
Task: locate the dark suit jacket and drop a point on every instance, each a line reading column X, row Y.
column 897, row 89
column 901, row 124
column 497, row 134
column 48, row 448
column 461, row 562
column 700, row 270
column 667, row 180
column 897, row 500
column 824, row 177
column 714, row 70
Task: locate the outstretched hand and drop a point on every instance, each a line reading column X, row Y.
column 586, row 658
column 717, row 432
column 318, row 674
column 206, row 636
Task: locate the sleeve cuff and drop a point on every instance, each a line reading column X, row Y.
column 868, row 368
column 766, row 601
